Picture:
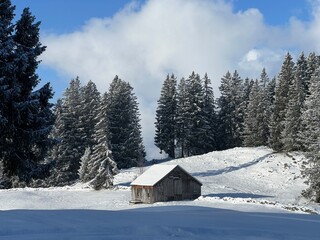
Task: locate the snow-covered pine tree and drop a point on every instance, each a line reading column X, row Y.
column 195, row 116
column 6, row 63
column 100, row 166
column 26, row 114
column 265, row 106
column 124, row 125
column 8, row 91
column 210, row 118
column 285, row 79
column 69, row 137
column 224, row 113
column 90, row 102
column 313, row 62
column 254, row 116
column 181, row 118
column 311, row 136
column 166, row 117
column 231, row 111
column 296, row 96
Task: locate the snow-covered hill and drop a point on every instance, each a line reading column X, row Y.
column 247, row 193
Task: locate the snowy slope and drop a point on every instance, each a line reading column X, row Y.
column 247, row 193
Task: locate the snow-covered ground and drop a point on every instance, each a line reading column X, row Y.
column 247, row 193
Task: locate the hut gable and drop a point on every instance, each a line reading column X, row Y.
column 165, row 183
column 153, row 175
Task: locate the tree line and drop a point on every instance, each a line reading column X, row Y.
column 84, row 135
column 282, row 113
column 89, row 136
column 95, row 135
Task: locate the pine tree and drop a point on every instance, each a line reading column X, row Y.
column 196, row 122
column 210, row 118
column 224, row 114
column 313, row 62
column 232, row 108
column 254, row 118
column 311, row 136
column 89, row 101
column 69, row 136
column 192, row 120
column 26, row 115
column 285, row 79
column 100, row 166
column 181, row 118
column 124, row 125
column 265, row 106
column 166, row 117
column 296, row 96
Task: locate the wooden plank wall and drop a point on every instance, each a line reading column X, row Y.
column 177, row 185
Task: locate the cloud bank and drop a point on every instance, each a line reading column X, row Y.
column 143, row 43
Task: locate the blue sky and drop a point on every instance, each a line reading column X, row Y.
column 142, row 41
column 67, row 16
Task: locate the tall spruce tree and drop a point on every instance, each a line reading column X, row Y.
column 195, row 116
column 210, row 118
column 231, row 111
column 192, row 122
column 25, row 114
column 68, row 134
column 181, row 118
column 90, row 102
column 166, row 117
column 265, row 106
column 285, row 79
column 313, row 62
column 296, row 96
column 124, row 125
column 100, row 167
column 254, row 118
column 311, row 136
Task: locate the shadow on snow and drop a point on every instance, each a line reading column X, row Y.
column 231, row 168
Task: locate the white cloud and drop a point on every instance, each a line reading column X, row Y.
column 143, row 44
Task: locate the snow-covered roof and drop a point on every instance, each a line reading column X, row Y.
column 153, row 175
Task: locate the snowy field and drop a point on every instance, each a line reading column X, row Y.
column 247, row 193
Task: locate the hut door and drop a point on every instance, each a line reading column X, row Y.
column 138, row 194
column 177, row 188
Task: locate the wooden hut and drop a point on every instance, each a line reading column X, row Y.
column 162, row 183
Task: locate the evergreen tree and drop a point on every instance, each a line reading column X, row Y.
column 313, row 62
column 265, row 106
column 26, row 115
column 296, row 96
column 124, row 125
column 89, row 101
column 285, row 79
column 181, row 118
column 254, row 119
column 191, row 117
column 166, row 117
column 69, row 136
column 224, row 114
column 197, row 125
column 231, row 111
column 101, row 167
column 210, row 118
column 311, row 136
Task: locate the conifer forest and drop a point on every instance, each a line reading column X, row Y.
column 89, row 136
